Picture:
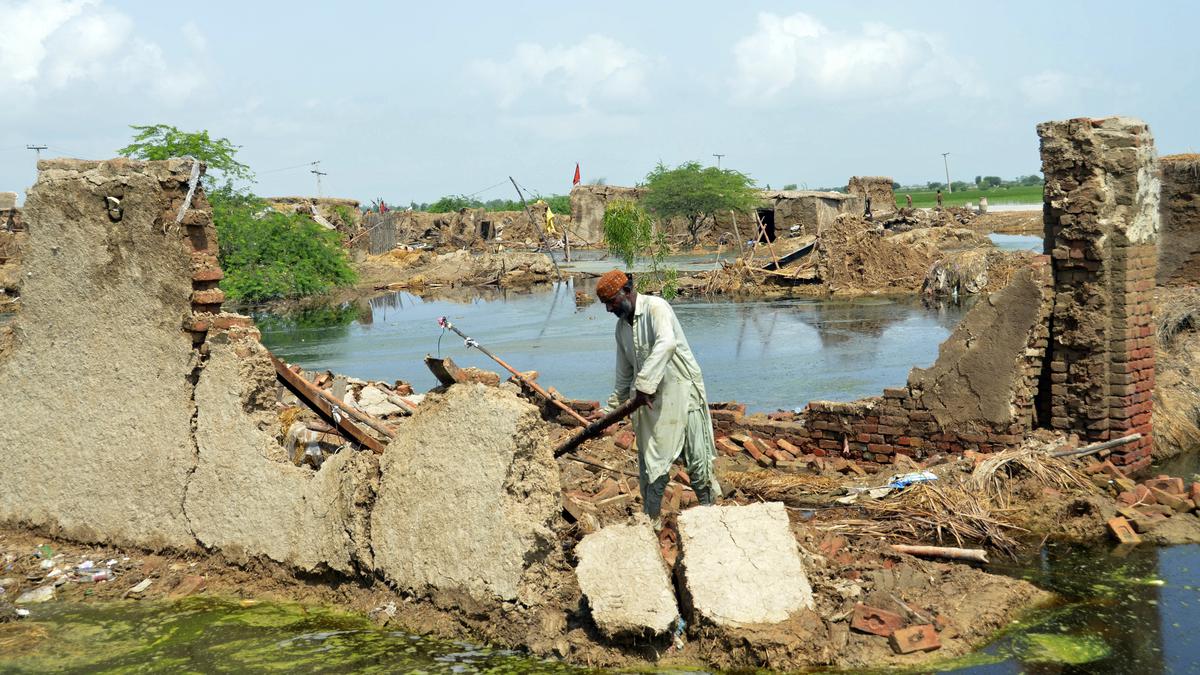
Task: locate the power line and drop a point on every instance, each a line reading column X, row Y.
column 288, row 168
column 37, row 149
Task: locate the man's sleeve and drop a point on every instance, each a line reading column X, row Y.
column 661, row 352
column 624, row 369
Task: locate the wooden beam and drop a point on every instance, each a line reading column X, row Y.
column 324, row 403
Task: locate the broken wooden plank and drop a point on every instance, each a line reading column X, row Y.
column 324, row 404
column 792, row 257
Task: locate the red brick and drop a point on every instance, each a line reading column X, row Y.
column 1166, row 484
column 875, row 621
column 728, row 447
column 212, row 296
column 788, row 447
column 624, row 440
column 208, row 274
column 1194, row 493
column 921, row 638
column 1123, row 531
column 1176, row 502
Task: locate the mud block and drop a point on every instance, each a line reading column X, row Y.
column 1123, row 531
column 875, row 621
column 1144, row 522
column 1194, row 493
column 741, row 565
column 622, row 574
column 488, row 448
column 915, row 639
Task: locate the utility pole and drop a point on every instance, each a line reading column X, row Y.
column 318, row 173
column 718, row 159
column 946, row 163
column 38, row 149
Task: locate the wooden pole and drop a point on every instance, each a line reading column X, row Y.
column 1096, row 447
column 975, row 554
column 593, row 430
column 541, row 234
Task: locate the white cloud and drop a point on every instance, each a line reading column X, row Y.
column 799, row 54
column 52, row 45
column 597, row 72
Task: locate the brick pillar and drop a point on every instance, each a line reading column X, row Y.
column 1101, row 227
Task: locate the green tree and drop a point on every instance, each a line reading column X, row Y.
column 264, row 254
column 163, row 141
column 630, row 235
column 992, row 181
column 696, row 192
column 791, row 186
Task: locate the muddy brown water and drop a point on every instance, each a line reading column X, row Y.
column 767, row 354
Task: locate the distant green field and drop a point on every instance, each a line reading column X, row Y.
column 1024, row 194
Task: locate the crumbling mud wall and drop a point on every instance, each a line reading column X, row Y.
column 137, row 412
column 96, row 426
column 330, row 212
column 1179, row 233
column 466, row 508
column 1101, row 228
column 467, row 228
column 12, row 242
column 979, row 395
column 876, row 188
column 588, row 203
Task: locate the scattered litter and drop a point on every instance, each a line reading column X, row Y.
column 36, row 595
column 901, row 482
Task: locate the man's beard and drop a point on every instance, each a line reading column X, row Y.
column 625, row 310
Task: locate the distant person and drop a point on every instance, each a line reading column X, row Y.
column 939, row 198
column 908, row 201
column 867, row 213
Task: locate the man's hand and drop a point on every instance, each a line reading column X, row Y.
column 642, row 398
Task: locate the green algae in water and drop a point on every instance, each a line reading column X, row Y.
column 204, row 635
column 1064, row 649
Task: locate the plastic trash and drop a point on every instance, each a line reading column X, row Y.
column 102, row 574
column 85, row 565
column 912, row 478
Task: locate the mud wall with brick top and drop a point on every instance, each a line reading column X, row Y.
column 1101, row 217
column 979, row 395
column 1179, row 210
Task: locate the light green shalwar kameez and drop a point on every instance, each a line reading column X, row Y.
column 653, row 356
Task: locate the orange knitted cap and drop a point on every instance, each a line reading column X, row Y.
column 609, row 284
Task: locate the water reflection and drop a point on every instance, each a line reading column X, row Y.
column 1128, row 610
column 767, row 354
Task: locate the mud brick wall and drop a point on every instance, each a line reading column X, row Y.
column 1101, row 218
column 980, row 395
column 1179, row 232
column 878, row 188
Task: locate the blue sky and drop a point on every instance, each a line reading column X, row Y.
column 413, row 101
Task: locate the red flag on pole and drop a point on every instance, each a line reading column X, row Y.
column 576, row 181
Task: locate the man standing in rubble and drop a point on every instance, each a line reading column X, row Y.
column 655, row 365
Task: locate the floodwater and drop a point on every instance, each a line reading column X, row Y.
column 1017, row 242
column 1122, row 612
column 766, row 354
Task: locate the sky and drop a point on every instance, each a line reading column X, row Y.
column 413, row 101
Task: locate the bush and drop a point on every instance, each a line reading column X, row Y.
column 630, row 235
column 269, row 255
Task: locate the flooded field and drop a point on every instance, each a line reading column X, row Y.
column 767, row 354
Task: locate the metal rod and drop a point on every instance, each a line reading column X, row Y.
column 445, row 323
